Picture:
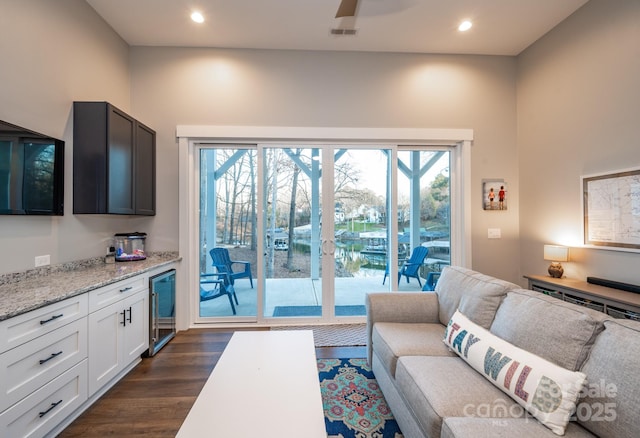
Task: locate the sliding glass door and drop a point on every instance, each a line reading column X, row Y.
column 227, row 219
column 292, row 204
column 327, row 206
column 359, row 240
column 317, row 227
column 424, row 209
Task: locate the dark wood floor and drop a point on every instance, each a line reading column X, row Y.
column 154, row 399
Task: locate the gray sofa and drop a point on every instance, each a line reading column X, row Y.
column 433, row 392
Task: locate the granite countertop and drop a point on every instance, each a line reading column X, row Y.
column 23, row 292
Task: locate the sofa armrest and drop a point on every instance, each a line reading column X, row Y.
column 399, row 307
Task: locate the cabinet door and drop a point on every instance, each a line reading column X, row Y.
column 145, row 176
column 120, row 150
column 31, row 365
column 136, row 330
column 90, row 157
column 105, row 349
column 41, row 412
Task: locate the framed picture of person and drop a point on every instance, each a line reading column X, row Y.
column 494, row 194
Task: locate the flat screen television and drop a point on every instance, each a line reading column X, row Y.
column 31, row 172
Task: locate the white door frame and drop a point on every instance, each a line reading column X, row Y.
column 190, row 135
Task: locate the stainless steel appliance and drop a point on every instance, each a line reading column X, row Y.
column 162, row 308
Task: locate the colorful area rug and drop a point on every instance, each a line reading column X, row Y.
column 353, row 403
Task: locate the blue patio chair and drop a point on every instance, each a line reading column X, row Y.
column 432, row 280
column 223, row 287
column 223, row 263
column 411, row 266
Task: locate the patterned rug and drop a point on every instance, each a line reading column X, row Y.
column 353, row 403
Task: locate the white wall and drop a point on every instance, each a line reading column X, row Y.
column 177, row 86
column 164, row 87
column 52, row 53
column 578, row 114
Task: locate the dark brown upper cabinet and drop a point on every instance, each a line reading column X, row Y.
column 114, row 162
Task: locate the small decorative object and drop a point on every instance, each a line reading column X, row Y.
column 556, row 254
column 494, row 194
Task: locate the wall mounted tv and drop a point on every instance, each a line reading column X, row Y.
column 31, row 172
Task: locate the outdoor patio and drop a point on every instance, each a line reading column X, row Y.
column 301, row 292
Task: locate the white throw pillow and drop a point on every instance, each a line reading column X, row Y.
column 545, row 390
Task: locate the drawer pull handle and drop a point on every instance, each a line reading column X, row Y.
column 54, row 317
column 43, row 361
column 53, row 405
column 124, row 289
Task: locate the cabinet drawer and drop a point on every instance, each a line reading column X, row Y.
column 622, row 313
column 584, row 302
column 23, row 328
column 547, row 291
column 32, row 365
column 43, row 410
column 115, row 292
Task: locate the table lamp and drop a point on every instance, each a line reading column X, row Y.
column 556, row 254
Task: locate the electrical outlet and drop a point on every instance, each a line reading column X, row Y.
column 494, row 233
column 43, row 260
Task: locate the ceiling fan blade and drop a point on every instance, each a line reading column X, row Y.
column 347, row 8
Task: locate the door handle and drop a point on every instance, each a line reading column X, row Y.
column 43, row 361
column 324, row 247
column 333, row 247
column 124, row 317
column 53, row 318
column 129, row 319
column 53, row 405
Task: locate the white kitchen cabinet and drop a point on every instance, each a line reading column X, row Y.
column 58, row 359
column 118, row 335
column 31, row 325
column 33, row 364
column 102, row 297
column 43, row 366
column 39, row 413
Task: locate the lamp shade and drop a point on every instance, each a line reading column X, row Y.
column 556, row 253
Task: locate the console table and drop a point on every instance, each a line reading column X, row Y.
column 616, row 303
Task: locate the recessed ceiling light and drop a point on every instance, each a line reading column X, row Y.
column 465, row 26
column 197, row 17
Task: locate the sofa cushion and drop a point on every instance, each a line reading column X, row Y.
column 555, row 330
column 436, row 387
column 468, row 427
column 547, row 391
column 392, row 340
column 476, row 295
column 612, row 393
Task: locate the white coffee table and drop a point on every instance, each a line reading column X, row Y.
column 264, row 385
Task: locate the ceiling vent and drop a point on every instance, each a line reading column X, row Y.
column 344, row 32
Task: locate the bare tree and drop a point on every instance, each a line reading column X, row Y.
column 292, row 210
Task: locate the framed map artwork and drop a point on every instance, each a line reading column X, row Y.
column 611, row 206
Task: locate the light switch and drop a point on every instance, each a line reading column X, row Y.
column 494, row 233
